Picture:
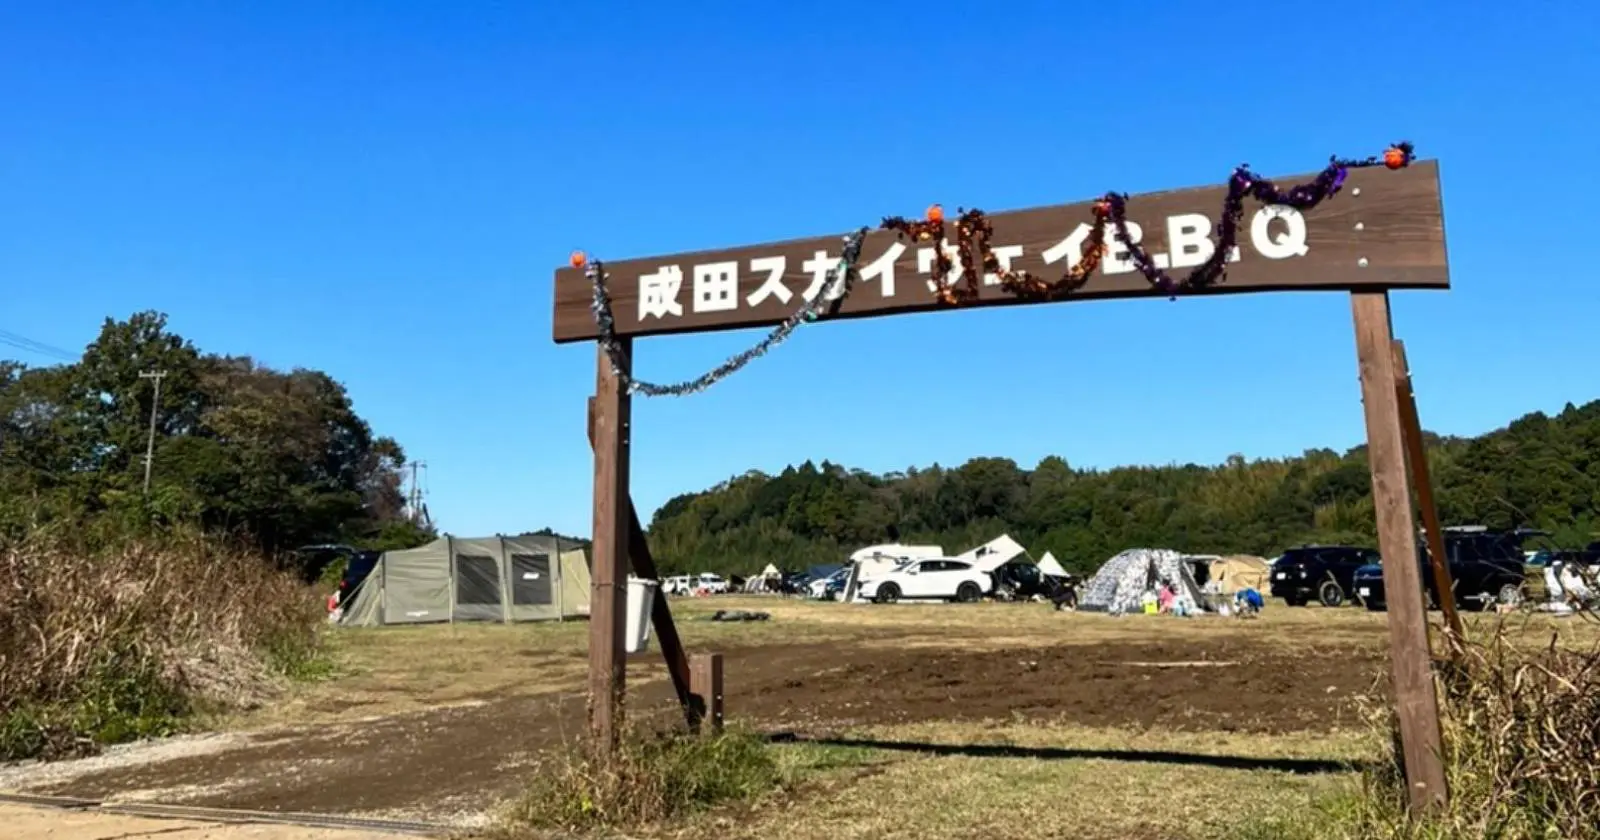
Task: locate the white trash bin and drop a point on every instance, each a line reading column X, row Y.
column 641, row 600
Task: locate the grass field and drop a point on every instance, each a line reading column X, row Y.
column 993, row 720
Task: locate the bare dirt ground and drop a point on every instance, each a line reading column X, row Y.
column 439, row 724
column 450, row 763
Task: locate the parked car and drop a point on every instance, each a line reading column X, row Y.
column 710, row 583
column 1486, row 567
column 831, row 587
column 940, row 579
column 314, row 561
column 1022, row 581
column 1321, row 573
column 356, row 570
column 794, row 583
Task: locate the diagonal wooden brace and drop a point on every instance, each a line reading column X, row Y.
column 666, row 629
column 1422, row 479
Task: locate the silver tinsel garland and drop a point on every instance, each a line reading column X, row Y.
column 839, row 283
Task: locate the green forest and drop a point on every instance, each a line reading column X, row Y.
column 273, row 459
column 1539, row 471
column 280, row 459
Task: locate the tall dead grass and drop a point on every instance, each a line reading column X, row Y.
column 106, row 645
column 1521, row 733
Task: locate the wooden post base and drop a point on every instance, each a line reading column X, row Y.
column 705, row 691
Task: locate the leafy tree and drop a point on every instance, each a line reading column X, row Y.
column 1541, row 471
column 279, row 458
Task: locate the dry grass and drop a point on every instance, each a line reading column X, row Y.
column 394, row 670
column 103, row 646
column 652, row 779
column 1521, row 732
column 1014, row 624
column 1023, row 782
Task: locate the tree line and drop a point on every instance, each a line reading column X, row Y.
column 281, row 459
column 1539, row 471
column 276, row 459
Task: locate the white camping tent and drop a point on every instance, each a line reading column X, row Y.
column 1121, row 583
column 767, row 581
column 1051, row 566
column 994, row 553
column 527, row 578
column 895, row 553
column 881, row 558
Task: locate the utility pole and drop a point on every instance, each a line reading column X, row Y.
column 414, row 497
column 155, row 407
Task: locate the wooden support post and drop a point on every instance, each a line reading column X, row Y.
column 666, row 630
column 608, row 599
column 705, row 679
column 1422, row 479
column 1416, row 701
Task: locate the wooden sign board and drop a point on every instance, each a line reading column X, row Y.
column 1384, row 230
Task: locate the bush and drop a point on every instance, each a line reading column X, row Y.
column 652, row 779
column 105, row 645
column 1521, row 740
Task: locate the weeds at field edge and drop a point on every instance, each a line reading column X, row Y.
column 104, row 646
column 657, row 779
column 1522, row 736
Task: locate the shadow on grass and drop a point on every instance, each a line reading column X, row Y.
column 1297, row 766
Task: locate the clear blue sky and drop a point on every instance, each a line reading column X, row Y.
column 381, row 190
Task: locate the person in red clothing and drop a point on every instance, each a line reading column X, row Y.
column 1166, row 597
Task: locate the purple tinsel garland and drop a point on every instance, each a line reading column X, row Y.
column 1242, row 184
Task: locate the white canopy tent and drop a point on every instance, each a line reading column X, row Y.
column 1050, row 566
column 994, row 553
column 766, row 581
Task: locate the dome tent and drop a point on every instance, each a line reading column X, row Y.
column 1122, row 581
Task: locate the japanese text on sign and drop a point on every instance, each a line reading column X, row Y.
column 1276, row 232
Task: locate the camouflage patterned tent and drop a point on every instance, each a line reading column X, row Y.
column 1124, row 579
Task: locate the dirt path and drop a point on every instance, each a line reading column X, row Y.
column 450, row 765
column 25, row 821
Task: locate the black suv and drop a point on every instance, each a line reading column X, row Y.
column 1321, row 573
column 1486, row 567
column 314, row 559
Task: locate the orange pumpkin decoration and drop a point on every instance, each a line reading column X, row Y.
column 1394, row 157
column 579, row 259
column 935, row 213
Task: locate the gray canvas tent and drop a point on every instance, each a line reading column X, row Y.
column 505, row 579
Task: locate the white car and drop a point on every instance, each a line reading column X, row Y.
column 940, row 579
column 711, row 584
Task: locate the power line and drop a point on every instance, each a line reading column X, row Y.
column 39, row 348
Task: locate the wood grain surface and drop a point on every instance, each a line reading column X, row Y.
column 1384, row 230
